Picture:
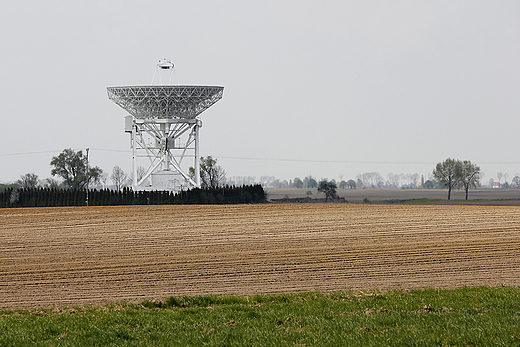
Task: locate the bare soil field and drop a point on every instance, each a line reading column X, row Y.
column 93, row 255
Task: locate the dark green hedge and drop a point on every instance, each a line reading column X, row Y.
column 46, row 197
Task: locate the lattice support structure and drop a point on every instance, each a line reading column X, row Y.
column 164, row 128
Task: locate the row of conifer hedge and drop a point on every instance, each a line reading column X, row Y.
column 50, row 197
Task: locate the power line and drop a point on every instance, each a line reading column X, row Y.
column 358, row 162
column 325, row 161
column 26, row 153
column 112, row 150
column 59, row 151
column 286, row 160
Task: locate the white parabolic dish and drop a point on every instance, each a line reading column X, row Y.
column 166, row 101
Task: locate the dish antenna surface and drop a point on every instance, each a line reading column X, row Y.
column 164, row 130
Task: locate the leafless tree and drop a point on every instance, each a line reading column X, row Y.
column 28, row 181
column 371, row 179
column 103, row 179
column 141, row 171
column 242, row 180
column 118, row 177
column 51, row 183
column 414, row 179
column 266, row 180
column 394, row 179
column 211, row 174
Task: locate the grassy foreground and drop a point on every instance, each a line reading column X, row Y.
column 461, row 317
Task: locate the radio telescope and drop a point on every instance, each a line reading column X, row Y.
column 164, row 130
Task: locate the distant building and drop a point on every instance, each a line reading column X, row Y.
column 496, row 184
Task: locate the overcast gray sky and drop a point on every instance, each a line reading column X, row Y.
column 325, row 88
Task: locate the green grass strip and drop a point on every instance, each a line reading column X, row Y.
column 481, row 316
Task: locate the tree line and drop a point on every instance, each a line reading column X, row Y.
column 75, row 172
column 55, row 197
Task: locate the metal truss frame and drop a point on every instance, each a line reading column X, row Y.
column 166, row 143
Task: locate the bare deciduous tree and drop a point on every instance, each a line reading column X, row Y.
column 414, row 179
column 103, row 179
column 51, row 183
column 118, row 177
column 141, row 171
column 242, row 180
column 211, row 174
column 28, row 181
column 371, row 179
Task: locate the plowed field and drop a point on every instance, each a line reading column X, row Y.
column 68, row 256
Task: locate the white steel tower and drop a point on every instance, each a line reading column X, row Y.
column 164, row 129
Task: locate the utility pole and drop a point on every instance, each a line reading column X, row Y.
column 87, row 177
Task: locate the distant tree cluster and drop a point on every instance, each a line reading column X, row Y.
column 310, row 182
column 241, row 180
column 350, row 184
column 371, row 179
column 367, row 180
column 297, row 182
column 404, row 180
column 453, row 173
column 515, row 182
